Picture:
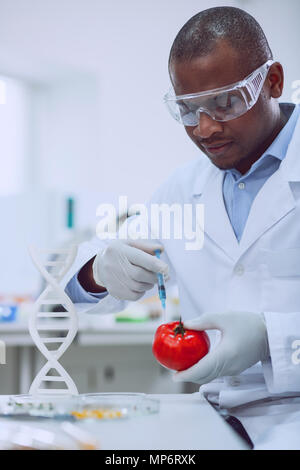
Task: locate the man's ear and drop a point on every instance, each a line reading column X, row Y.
column 275, row 80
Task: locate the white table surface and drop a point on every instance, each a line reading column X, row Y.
column 184, row 422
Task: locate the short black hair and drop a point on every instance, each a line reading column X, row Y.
column 200, row 34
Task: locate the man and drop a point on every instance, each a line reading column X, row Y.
column 245, row 281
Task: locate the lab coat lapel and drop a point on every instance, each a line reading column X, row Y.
column 275, row 199
column 217, row 225
column 272, row 203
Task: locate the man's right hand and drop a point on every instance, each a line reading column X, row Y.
column 127, row 269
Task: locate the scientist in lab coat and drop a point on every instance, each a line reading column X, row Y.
column 244, row 282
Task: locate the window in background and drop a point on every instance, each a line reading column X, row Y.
column 14, row 134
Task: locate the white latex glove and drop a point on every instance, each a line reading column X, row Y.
column 243, row 343
column 127, row 269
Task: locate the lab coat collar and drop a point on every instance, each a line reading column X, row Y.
column 275, row 199
column 273, row 202
column 203, row 176
column 290, row 166
column 216, row 221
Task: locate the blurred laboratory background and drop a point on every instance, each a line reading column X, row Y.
column 82, row 122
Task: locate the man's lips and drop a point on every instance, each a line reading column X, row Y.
column 217, row 148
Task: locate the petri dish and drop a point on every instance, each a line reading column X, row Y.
column 130, row 404
column 102, row 406
column 44, row 406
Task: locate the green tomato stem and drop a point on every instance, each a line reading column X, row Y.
column 179, row 330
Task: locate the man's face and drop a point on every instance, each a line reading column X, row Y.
column 229, row 144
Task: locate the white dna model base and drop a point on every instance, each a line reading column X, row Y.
column 53, row 329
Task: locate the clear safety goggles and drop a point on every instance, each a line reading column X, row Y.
column 221, row 104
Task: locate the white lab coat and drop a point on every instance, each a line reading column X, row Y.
column 259, row 274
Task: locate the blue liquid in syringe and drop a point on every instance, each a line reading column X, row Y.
column 161, row 285
column 161, row 290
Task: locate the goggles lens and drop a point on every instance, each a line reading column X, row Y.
column 223, row 104
column 221, row 107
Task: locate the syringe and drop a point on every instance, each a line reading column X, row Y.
column 161, row 288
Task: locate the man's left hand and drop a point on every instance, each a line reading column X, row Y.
column 243, row 343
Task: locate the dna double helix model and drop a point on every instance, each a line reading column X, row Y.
column 53, row 331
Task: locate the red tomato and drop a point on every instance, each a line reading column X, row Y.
column 177, row 348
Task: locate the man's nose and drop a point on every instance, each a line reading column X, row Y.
column 206, row 126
